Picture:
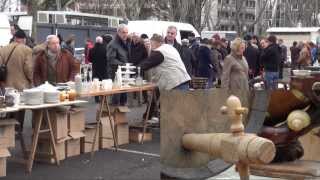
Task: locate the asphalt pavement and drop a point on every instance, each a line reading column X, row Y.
column 131, row 162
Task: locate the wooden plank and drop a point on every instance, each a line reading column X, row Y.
column 9, row 109
column 147, row 87
column 289, row 169
column 43, row 106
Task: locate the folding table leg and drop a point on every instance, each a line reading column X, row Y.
column 38, row 115
column 147, row 115
column 52, row 139
column 111, row 120
column 98, row 119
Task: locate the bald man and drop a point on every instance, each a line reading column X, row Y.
column 54, row 64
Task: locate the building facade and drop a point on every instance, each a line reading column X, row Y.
column 223, row 15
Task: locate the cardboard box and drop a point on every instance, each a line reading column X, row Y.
column 135, row 135
column 87, row 140
column 120, row 114
column 59, row 121
column 4, row 153
column 106, row 139
column 76, row 120
column 73, row 144
column 44, row 152
column 7, row 133
column 122, row 133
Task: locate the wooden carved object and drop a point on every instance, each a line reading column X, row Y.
column 236, row 147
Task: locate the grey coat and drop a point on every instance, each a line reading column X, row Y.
column 235, row 77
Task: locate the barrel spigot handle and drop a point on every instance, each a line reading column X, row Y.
column 234, row 110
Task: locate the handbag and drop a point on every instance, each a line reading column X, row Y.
column 3, row 67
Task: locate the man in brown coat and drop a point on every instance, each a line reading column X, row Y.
column 19, row 69
column 20, row 64
column 54, row 64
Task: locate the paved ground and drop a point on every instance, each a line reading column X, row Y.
column 141, row 162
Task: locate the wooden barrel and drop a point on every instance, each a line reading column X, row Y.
column 282, row 102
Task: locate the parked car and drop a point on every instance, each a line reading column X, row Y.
column 151, row 27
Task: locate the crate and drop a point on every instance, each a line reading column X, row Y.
column 199, row 83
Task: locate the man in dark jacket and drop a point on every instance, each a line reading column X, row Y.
column 283, row 50
column 270, row 59
column 206, row 68
column 98, row 57
column 252, row 55
column 171, row 38
column 138, row 50
column 295, row 51
column 118, row 53
column 187, row 57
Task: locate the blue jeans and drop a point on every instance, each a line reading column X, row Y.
column 211, row 79
column 271, row 79
column 184, row 86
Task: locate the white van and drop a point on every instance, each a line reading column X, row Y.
column 228, row 35
column 4, row 30
column 150, row 27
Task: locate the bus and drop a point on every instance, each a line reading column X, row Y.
column 82, row 25
column 78, row 18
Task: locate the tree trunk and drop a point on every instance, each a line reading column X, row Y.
column 32, row 11
column 3, row 5
column 239, row 4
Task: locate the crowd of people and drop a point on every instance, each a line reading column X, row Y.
column 164, row 61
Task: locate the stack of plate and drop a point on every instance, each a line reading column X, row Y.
column 51, row 96
column 33, row 96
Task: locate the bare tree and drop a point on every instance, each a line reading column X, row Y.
column 3, row 5
column 238, row 19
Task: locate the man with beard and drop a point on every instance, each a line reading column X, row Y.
column 54, row 64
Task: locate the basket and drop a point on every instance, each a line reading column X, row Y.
column 199, row 83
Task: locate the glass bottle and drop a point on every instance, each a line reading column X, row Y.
column 139, row 80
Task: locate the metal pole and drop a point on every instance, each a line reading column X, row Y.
column 58, row 2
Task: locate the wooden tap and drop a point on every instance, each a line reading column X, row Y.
column 236, row 147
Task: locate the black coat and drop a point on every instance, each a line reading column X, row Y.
column 204, row 62
column 98, row 57
column 188, row 59
column 118, row 53
column 295, row 52
column 138, row 53
column 271, row 58
column 252, row 55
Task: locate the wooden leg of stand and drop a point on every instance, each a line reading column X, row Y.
column 243, row 170
column 98, row 119
column 52, row 139
column 23, row 145
column 112, row 125
column 147, row 116
column 38, row 115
